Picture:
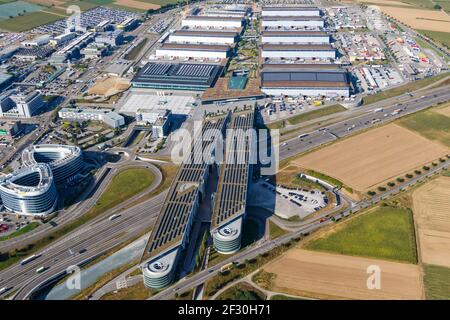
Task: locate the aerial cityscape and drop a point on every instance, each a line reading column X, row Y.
column 224, row 150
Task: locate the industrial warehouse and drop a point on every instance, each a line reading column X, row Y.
column 189, row 191
column 177, row 76
column 304, row 80
column 212, row 22
column 298, row 51
column 290, row 11
column 203, row 36
column 296, row 36
column 193, row 51
column 292, row 21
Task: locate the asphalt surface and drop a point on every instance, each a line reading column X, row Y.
column 361, row 122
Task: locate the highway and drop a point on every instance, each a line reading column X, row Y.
column 86, row 201
column 361, row 122
column 95, row 237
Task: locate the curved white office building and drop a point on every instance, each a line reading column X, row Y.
column 227, row 239
column 64, row 161
column 30, row 191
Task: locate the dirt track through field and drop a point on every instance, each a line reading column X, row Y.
column 432, row 215
column 370, row 158
column 444, row 111
column 301, row 272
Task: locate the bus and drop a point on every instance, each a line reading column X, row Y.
column 29, row 259
column 40, row 269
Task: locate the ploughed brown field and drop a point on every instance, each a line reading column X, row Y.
column 323, row 275
column 373, row 157
column 432, row 216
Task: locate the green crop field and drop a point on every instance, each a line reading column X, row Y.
column 386, row 233
column 13, row 9
column 283, row 297
column 437, row 282
column 29, row 21
column 430, row 124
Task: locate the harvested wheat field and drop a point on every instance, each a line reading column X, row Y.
column 109, row 86
column 422, row 19
column 372, row 157
column 137, row 4
column 384, row 2
column 323, row 275
column 432, row 215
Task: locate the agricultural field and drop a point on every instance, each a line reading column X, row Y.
column 31, row 20
column 12, row 9
column 432, row 124
column 383, row 233
column 442, row 37
column 437, row 282
column 372, row 157
column 416, row 18
column 331, row 276
column 431, row 203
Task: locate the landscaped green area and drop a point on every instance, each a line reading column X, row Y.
column 241, row 291
column 136, row 180
column 328, row 179
column 436, row 282
column 275, row 230
column 430, row 124
column 306, row 116
column 21, row 231
column 385, row 232
column 137, row 292
column 438, row 36
column 412, row 86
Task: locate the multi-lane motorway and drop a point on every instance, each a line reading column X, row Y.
column 363, row 120
column 100, row 235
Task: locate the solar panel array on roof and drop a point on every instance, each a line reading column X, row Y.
column 233, row 181
column 180, row 200
column 177, row 74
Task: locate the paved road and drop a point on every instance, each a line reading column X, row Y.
column 87, row 201
column 96, row 237
column 363, row 121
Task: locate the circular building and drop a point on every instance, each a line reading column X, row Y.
column 227, row 238
column 158, row 272
column 64, row 161
column 30, row 191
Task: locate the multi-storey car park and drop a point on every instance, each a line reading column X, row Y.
column 64, row 161
column 177, row 76
column 188, row 191
column 234, row 177
column 171, row 231
column 304, row 80
column 30, row 191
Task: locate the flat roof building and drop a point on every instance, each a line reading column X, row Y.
column 203, row 36
column 159, row 119
column 177, row 76
column 21, row 103
column 304, row 80
column 171, row 232
column 298, row 37
column 292, row 21
column 297, row 51
column 290, row 11
column 212, row 22
column 108, row 117
column 187, row 50
column 38, row 41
